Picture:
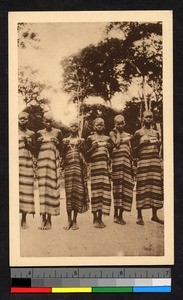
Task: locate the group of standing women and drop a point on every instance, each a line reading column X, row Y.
column 110, row 157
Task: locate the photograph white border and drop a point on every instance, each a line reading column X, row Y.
column 92, row 16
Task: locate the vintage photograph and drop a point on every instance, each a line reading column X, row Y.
column 91, row 143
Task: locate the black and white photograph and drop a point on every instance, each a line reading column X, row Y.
column 91, row 138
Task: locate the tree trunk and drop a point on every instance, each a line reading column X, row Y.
column 144, row 92
column 81, row 124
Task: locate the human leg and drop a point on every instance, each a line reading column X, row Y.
column 69, row 224
column 122, row 221
column 116, row 216
column 43, row 222
column 101, row 223
column 139, row 217
column 155, row 217
column 75, row 226
column 48, row 222
column 24, row 221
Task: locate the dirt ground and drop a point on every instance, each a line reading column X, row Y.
column 114, row 240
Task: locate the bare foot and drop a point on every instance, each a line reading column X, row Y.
column 140, row 221
column 102, row 225
column 122, row 222
column 75, row 226
column 96, row 224
column 68, row 226
column 156, row 219
column 24, row 225
column 42, row 227
column 47, row 226
column 116, row 220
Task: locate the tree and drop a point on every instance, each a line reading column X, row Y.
column 142, row 49
column 94, row 71
column 31, row 91
column 27, row 37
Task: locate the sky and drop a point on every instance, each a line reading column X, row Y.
column 58, row 40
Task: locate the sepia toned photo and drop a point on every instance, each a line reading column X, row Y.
column 91, row 138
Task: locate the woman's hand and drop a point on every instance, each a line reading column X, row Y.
column 27, row 140
column 55, row 141
column 94, row 145
column 40, row 139
column 144, row 140
column 108, row 145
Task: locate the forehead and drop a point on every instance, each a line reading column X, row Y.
column 97, row 122
column 47, row 119
column 118, row 121
column 22, row 115
column 148, row 114
column 74, row 124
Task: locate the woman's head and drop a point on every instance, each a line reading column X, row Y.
column 74, row 126
column 119, row 122
column 147, row 117
column 98, row 125
column 23, row 118
column 48, row 120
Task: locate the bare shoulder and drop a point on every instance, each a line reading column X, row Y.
column 90, row 137
column 81, row 140
column 126, row 134
column 30, row 132
column 106, row 138
column 155, row 132
column 112, row 133
column 139, row 132
column 56, row 130
column 40, row 131
column 65, row 140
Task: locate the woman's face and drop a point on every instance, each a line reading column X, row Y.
column 74, row 128
column 148, row 118
column 120, row 125
column 48, row 123
column 23, row 119
column 99, row 125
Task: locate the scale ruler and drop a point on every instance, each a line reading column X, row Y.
column 90, row 279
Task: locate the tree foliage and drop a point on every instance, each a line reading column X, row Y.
column 142, row 49
column 32, row 92
column 94, row 71
column 26, row 36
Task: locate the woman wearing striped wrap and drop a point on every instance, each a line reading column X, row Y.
column 49, row 141
column 99, row 147
column 26, row 171
column 122, row 170
column 149, row 174
column 77, row 199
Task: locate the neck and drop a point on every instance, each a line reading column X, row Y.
column 74, row 135
column 120, row 131
column 147, row 126
column 99, row 132
column 22, row 127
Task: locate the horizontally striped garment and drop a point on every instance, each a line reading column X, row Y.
column 77, row 198
column 100, row 182
column 26, row 179
column 122, row 176
column 149, row 178
column 49, row 178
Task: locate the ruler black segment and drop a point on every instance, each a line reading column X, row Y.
column 21, row 282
